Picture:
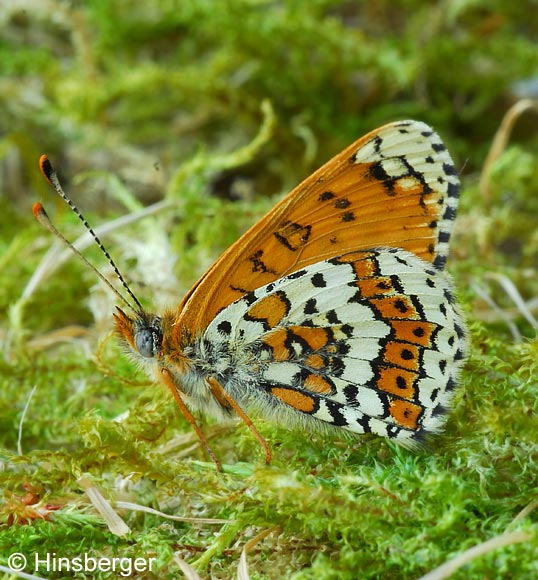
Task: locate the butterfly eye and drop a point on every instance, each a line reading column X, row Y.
column 148, row 336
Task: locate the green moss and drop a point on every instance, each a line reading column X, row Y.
column 218, row 108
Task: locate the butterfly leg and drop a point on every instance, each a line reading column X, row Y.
column 228, row 401
column 169, row 382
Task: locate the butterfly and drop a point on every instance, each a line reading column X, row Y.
column 333, row 312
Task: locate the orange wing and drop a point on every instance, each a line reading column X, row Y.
column 397, row 186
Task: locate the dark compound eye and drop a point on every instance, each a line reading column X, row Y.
column 148, row 337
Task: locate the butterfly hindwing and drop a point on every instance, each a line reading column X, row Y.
column 370, row 341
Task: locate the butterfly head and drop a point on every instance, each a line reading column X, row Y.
column 143, row 333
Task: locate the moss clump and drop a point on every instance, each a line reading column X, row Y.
column 140, row 103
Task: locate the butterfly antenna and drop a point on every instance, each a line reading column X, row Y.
column 41, row 216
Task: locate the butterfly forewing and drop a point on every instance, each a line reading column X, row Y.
column 397, row 187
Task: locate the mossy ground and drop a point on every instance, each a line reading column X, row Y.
column 220, row 107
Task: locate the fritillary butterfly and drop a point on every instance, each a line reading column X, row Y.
column 333, row 311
